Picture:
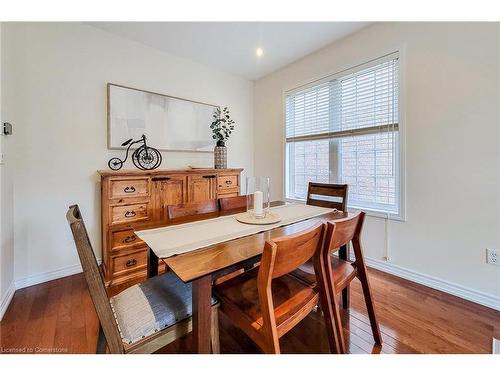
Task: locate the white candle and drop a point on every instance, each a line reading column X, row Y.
column 258, row 200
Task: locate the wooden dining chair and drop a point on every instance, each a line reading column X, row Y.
column 233, row 203
column 184, row 210
column 339, row 273
column 144, row 317
column 266, row 302
column 329, row 196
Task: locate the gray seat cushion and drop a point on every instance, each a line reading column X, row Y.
column 151, row 306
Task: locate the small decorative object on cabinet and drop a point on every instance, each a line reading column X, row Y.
column 135, row 200
column 222, row 127
column 220, row 155
column 145, row 157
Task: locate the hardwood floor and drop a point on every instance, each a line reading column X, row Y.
column 58, row 316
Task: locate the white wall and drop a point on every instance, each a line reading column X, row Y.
column 452, row 92
column 6, row 229
column 54, row 86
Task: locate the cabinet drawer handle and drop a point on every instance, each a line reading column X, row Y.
column 229, row 182
column 129, row 239
column 210, row 176
column 160, row 178
column 129, row 189
column 130, row 214
column 131, row 262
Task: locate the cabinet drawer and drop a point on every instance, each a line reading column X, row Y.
column 129, row 213
column 124, row 238
column 138, row 187
column 227, row 182
column 228, row 193
column 129, row 262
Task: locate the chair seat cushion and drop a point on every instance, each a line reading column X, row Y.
column 343, row 272
column 240, row 293
column 151, row 306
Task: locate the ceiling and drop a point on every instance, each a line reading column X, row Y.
column 231, row 46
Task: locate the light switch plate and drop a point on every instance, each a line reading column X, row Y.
column 7, row 128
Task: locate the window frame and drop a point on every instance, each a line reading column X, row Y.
column 401, row 149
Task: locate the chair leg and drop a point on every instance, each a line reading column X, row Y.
column 337, row 321
column 346, row 298
column 333, row 338
column 365, row 284
column 214, row 331
column 344, row 255
column 322, row 270
column 369, row 305
column 101, row 342
column 272, row 346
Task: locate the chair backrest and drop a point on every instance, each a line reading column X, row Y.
column 335, row 195
column 279, row 257
column 285, row 254
column 341, row 232
column 233, row 203
column 184, row 210
column 94, row 280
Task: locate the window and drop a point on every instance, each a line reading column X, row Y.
column 345, row 129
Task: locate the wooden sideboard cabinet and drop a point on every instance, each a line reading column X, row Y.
column 138, row 199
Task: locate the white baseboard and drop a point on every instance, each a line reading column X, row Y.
column 37, row 279
column 6, row 298
column 473, row 295
column 48, row 276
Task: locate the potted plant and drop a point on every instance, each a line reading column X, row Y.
column 222, row 127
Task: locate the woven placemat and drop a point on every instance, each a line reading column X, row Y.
column 247, row 218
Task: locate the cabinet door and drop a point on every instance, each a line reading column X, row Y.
column 167, row 190
column 202, row 188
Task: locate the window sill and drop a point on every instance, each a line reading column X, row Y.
column 369, row 212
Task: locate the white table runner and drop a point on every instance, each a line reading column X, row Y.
column 182, row 238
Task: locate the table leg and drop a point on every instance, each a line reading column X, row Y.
column 344, row 255
column 152, row 263
column 202, row 310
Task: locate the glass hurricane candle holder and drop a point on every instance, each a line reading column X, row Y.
column 258, row 192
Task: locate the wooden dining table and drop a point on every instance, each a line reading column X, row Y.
column 202, row 266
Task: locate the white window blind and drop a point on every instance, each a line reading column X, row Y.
column 346, row 130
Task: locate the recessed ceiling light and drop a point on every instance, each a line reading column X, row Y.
column 259, row 52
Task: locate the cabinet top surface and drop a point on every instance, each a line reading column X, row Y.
column 132, row 172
